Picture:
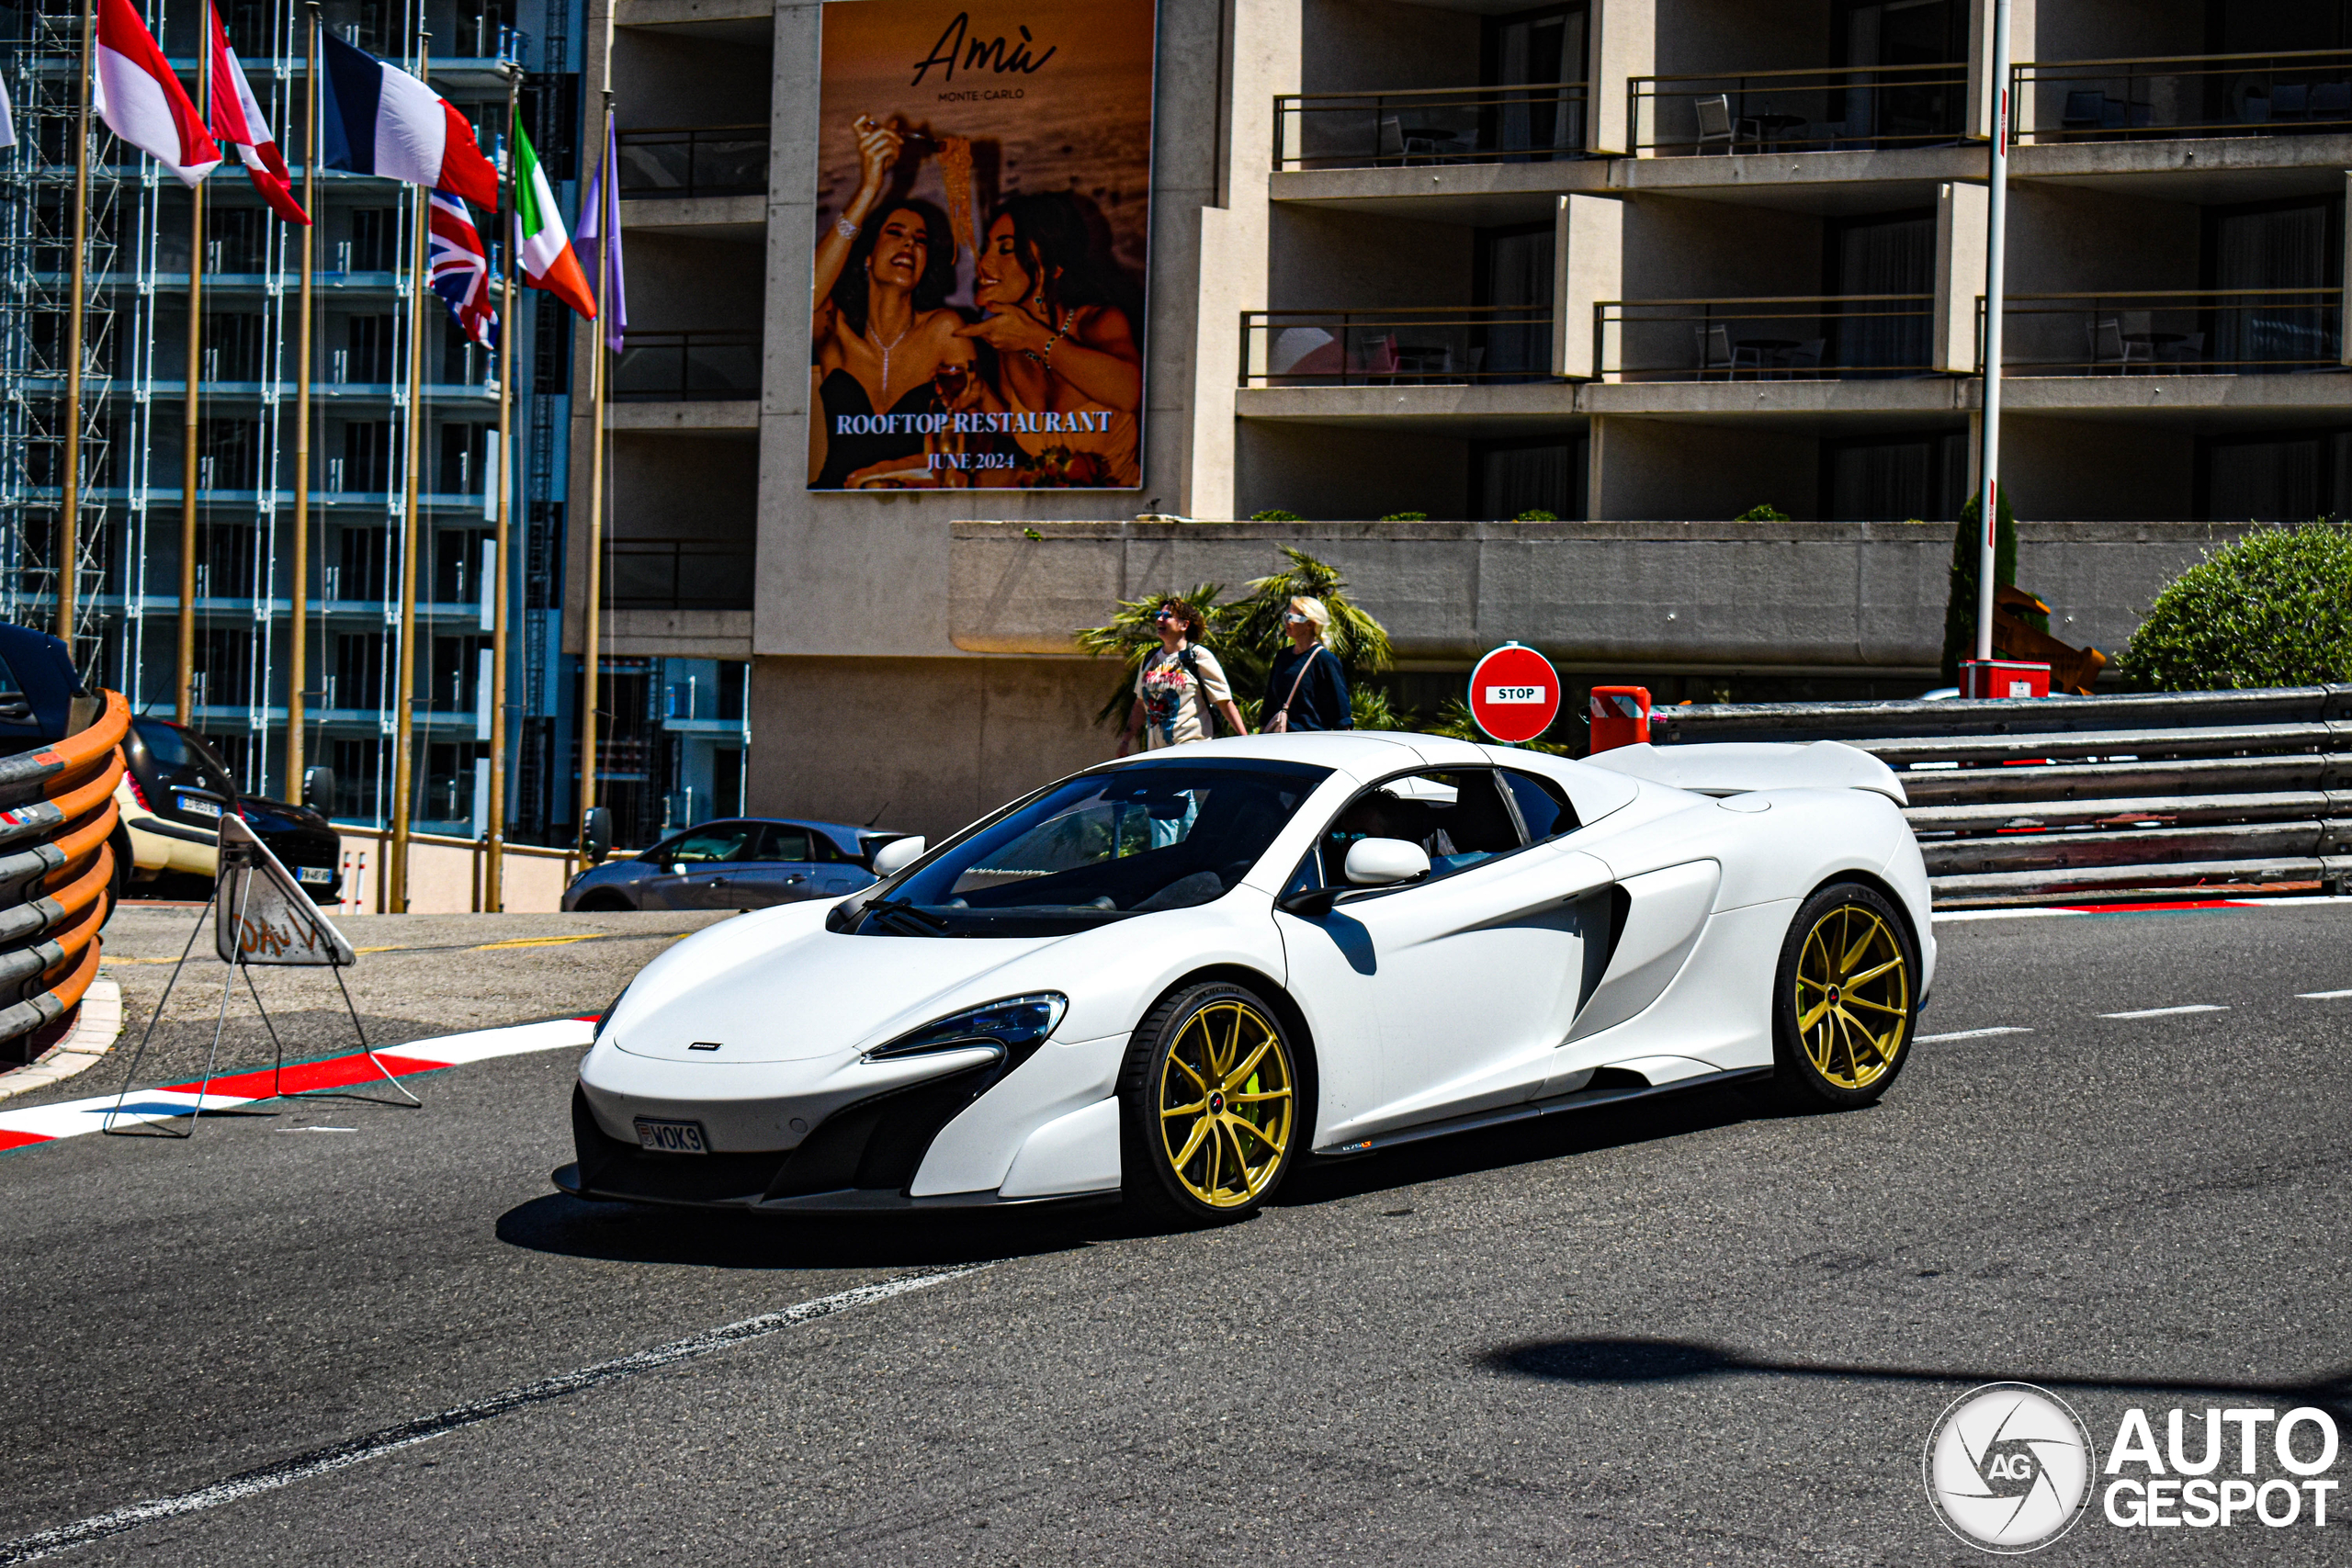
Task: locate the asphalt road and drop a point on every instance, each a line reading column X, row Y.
column 1700, row 1332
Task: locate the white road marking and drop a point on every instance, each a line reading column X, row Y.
column 424, row 1428
column 2324, row 996
column 2168, row 1012
column 1972, row 1034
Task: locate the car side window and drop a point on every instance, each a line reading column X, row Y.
column 1458, row 817
column 719, row 840
column 1542, row 805
column 783, row 843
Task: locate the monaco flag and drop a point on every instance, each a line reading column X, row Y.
column 143, row 102
column 237, row 122
column 377, row 120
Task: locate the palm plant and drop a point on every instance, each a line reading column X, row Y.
column 1130, row 636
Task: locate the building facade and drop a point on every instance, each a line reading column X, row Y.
column 1580, row 285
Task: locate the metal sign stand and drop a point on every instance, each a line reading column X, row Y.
column 272, row 922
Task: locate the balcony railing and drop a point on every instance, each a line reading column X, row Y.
column 2207, row 331
column 1534, row 123
column 658, row 367
column 1789, row 338
column 1864, row 108
column 1395, row 348
column 681, row 574
column 2185, row 94
column 710, row 160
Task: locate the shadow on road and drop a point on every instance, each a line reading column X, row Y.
column 1628, row 1361
column 622, row 1233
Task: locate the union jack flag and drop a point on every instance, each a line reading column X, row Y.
column 459, row 270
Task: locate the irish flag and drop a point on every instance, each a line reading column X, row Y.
column 539, row 239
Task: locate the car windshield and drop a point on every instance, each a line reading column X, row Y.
column 183, row 760
column 1104, row 846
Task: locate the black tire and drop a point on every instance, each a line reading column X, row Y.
column 1203, row 1026
column 603, row 903
column 1827, row 1055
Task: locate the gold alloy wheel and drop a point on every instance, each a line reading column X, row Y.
column 1854, row 996
column 1224, row 1104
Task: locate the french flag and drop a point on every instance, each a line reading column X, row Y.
column 141, row 100
column 378, row 119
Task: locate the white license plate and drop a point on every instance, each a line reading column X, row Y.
column 318, row 873
column 671, row 1138
column 201, row 807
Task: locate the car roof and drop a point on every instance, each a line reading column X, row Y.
column 846, row 834
column 1358, row 751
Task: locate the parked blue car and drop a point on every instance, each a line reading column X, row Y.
column 745, row 863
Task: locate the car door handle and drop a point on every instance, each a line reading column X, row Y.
column 795, row 877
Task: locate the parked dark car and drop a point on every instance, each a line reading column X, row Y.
column 175, row 791
column 744, row 863
column 38, row 686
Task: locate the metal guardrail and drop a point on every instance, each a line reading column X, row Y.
column 1435, row 345
column 1798, row 337
column 2187, row 332
column 2026, row 799
column 1522, row 123
column 713, row 366
column 690, row 160
column 2282, row 93
column 1846, row 109
column 57, row 873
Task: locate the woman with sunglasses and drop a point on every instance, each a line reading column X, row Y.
column 1180, row 686
column 1307, row 688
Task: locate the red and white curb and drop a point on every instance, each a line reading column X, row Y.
column 73, row 1118
column 2151, row 907
column 94, row 1035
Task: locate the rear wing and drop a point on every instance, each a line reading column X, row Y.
column 1738, row 767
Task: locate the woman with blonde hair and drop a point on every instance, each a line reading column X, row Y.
column 1306, row 688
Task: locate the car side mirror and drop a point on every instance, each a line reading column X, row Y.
column 318, row 790
column 897, row 855
column 596, row 835
column 1383, row 863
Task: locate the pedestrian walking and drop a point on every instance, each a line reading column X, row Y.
column 1307, row 688
column 1180, row 687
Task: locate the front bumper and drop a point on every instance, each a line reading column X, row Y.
column 860, row 1159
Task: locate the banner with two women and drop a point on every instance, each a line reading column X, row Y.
column 983, row 197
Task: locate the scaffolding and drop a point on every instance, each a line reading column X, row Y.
column 134, row 388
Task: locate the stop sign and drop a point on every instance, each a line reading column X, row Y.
column 1514, row 694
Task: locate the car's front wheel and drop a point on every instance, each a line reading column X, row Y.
column 1845, row 998
column 1212, row 1109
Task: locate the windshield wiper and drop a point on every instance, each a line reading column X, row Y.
column 902, row 916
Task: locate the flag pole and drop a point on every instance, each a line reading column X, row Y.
column 1997, row 222
column 404, row 714
column 69, row 542
column 185, row 703
column 494, row 894
column 596, row 594
column 298, row 660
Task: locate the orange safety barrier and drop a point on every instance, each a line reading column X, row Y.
column 57, row 871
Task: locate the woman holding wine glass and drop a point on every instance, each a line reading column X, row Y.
column 881, row 330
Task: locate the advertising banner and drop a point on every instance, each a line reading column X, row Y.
column 983, row 203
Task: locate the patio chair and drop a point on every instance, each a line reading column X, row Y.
column 1716, row 352
column 2332, row 101
column 1806, row 355
column 2110, row 346
column 2289, row 101
column 1717, row 127
column 2085, row 111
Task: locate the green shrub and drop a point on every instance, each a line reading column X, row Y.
column 2273, row 609
column 1407, row 517
column 1536, row 514
column 1275, row 515
column 1763, row 512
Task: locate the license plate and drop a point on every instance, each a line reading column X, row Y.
column 201, row 807
column 671, row 1138
column 317, row 874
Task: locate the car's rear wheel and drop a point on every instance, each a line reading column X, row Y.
column 1845, row 999
column 1212, row 1108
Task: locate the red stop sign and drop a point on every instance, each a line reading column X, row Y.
column 1514, row 694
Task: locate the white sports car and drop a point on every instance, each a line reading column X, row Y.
column 1173, row 977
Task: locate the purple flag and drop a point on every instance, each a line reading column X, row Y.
column 597, row 241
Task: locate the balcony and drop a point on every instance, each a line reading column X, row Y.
column 1434, row 347
column 2291, row 94
column 2189, row 333
column 698, row 160
column 715, row 367
column 1867, row 109
column 1790, row 338
column 681, row 574
column 1530, row 124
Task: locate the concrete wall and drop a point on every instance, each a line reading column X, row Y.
column 681, row 78
column 1322, row 260
column 1673, row 469
column 1681, row 249
column 685, row 487
column 1371, row 46
column 1348, row 472
column 1739, row 35
column 929, row 744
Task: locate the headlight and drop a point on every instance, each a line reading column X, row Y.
column 1015, row 1024
column 605, row 1017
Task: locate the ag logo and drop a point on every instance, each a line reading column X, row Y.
column 2008, row 1467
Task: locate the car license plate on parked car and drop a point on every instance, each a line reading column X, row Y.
column 671, row 1138
column 200, row 807
column 318, row 873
